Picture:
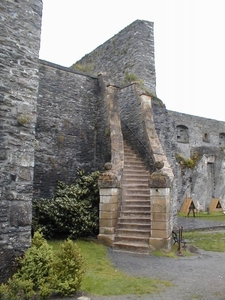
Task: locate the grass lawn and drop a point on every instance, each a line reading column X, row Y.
column 206, row 240
column 101, row 277
column 213, row 216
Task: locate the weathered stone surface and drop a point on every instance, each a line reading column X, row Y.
column 70, row 130
column 159, row 180
column 107, row 180
column 20, row 29
column 131, row 51
column 20, row 214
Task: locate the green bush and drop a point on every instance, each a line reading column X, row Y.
column 41, row 274
column 72, row 212
column 68, row 269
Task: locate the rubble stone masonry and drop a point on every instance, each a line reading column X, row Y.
column 20, row 27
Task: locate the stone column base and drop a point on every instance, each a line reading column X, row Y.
column 160, row 243
column 106, row 239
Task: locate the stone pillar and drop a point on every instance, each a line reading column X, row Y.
column 20, row 29
column 160, row 194
column 108, row 207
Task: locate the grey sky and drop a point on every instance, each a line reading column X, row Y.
column 189, row 44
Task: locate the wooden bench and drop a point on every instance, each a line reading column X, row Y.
column 176, row 240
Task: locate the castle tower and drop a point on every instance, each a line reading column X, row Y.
column 20, row 42
column 128, row 56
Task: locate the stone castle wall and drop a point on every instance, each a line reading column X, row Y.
column 48, row 138
column 131, row 51
column 199, row 133
column 69, row 124
column 20, row 42
column 206, row 138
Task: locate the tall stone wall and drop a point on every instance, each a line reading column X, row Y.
column 70, row 129
column 202, row 133
column 20, row 29
column 131, row 51
column 206, row 138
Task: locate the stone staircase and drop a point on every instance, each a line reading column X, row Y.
column 133, row 228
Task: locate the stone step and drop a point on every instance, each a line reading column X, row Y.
column 134, row 166
column 135, row 197
column 133, row 244
column 131, row 247
column 135, row 214
column 133, row 180
column 135, row 207
column 136, row 185
column 132, row 239
column 132, row 219
column 132, row 232
column 135, row 192
column 138, row 204
column 134, row 226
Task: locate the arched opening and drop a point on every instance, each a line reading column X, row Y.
column 182, row 134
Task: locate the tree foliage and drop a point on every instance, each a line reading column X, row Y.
column 72, row 212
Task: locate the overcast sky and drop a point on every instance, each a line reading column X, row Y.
column 189, row 44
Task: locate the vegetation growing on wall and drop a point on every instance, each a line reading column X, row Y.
column 189, row 162
column 72, row 212
column 86, row 68
column 23, row 119
column 130, row 77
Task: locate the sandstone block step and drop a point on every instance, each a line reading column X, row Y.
column 130, row 219
column 135, row 207
column 131, row 247
column 133, row 232
column 134, row 226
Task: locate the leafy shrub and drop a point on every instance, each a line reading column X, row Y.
column 73, row 211
column 41, row 274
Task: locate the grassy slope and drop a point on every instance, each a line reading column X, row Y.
column 101, row 278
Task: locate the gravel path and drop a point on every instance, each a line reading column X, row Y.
column 201, row 276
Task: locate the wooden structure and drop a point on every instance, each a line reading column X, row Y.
column 188, row 202
column 215, row 205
